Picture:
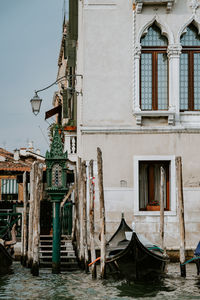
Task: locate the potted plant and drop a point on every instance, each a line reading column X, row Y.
column 153, row 206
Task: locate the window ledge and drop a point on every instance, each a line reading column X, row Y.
column 190, row 113
column 140, row 3
column 154, row 213
column 155, row 113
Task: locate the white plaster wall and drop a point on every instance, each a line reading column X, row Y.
column 106, row 120
column 107, row 57
column 107, row 63
column 119, row 151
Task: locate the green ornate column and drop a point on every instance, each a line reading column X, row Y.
column 56, row 162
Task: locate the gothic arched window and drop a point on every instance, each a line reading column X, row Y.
column 190, row 70
column 154, row 70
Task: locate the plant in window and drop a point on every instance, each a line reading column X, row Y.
column 149, row 184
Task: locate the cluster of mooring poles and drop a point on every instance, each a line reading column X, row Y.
column 85, row 241
column 83, row 233
column 179, row 184
column 31, row 218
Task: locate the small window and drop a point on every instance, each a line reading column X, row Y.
column 154, row 70
column 149, row 185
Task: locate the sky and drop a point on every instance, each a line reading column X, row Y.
column 30, row 39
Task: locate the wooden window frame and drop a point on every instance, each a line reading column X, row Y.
column 151, row 184
column 154, row 52
column 190, row 51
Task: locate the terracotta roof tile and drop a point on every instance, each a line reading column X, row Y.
column 14, row 166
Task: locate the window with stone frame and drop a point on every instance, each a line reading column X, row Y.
column 154, row 70
column 150, row 182
column 190, row 70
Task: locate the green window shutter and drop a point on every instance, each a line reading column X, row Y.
column 71, row 53
column 65, row 104
column 75, row 110
column 73, row 19
column 66, row 48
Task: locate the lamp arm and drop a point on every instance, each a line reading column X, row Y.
column 58, row 80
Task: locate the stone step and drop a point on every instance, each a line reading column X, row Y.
column 62, row 251
column 50, row 246
column 49, row 257
column 68, row 259
column 61, row 255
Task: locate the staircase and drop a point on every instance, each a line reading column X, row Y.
column 68, row 260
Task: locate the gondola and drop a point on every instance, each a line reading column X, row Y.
column 6, row 259
column 133, row 257
column 7, row 252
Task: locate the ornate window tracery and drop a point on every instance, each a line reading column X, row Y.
column 190, row 70
column 154, row 70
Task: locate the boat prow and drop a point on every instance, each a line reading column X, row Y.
column 134, row 259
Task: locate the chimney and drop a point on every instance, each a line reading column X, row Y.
column 23, row 151
column 38, row 151
column 30, row 146
column 16, row 154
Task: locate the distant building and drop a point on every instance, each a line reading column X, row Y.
column 12, row 167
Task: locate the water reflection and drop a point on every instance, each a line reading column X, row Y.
column 20, row 284
column 149, row 289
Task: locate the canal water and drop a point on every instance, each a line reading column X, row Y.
column 20, row 284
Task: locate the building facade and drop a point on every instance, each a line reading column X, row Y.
column 138, row 100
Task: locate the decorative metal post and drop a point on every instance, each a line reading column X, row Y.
column 56, row 162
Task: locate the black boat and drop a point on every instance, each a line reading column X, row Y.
column 7, row 252
column 133, row 257
column 6, row 259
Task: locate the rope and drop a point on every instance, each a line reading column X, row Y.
column 155, row 248
column 188, row 261
column 94, row 261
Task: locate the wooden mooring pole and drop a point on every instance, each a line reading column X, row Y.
column 80, row 196
column 162, row 194
column 31, row 212
column 102, row 212
column 76, row 236
column 84, row 186
column 24, row 221
column 92, row 242
column 36, row 219
column 181, row 215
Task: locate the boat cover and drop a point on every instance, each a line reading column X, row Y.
column 197, row 251
column 142, row 239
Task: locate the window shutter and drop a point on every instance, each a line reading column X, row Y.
column 73, row 19
column 65, row 104
column 66, row 47
column 71, row 53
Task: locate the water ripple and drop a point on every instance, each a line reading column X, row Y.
column 20, row 284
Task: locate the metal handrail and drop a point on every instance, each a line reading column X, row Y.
column 9, row 222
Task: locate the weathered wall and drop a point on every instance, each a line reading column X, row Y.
column 119, row 151
column 109, row 33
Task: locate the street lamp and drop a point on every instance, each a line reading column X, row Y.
column 36, row 101
column 35, row 104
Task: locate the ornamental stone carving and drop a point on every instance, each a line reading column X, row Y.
column 137, row 51
column 139, row 4
column 174, row 50
column 194, row 4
